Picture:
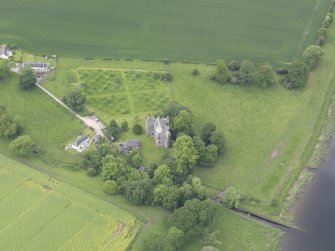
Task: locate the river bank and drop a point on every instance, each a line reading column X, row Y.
column 314, row 212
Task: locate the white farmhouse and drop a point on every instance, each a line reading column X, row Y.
column 81, row 143
column 5, row 52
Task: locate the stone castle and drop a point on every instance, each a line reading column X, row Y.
column 159, row 128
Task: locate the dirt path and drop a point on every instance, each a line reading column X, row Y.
column 89, row 121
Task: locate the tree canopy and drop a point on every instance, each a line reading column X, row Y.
column 247, row 73
column 265, row 75
column 75, row 100
column 221, row 73
column 298, row 74
column 27, row 78
column 184, row 154
column 312, row 56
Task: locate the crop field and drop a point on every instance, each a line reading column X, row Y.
column 37, row 211
column 193, row 30
column 121, row 92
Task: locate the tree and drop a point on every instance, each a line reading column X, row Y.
column 298, row 74
column 200, row 147
column 114, row 129
column 162, row 175
column 172, row 109
column 247, row 72
column 114, row 168
column 176, row 237
column 207, row 131
column 91, row 159
column 27, row 78
column 137, row 129
column 210, row 156
column 183, row 123
column 75, row 100
column 124, row 126
column 22, row 145
column 265, row 75
column 4, row 69
column 221, row 73
column 136, row 160
column 8, row 127
column 192, row 218
column 199, row 190
column 156, row 242
column 139, row 192
column 167, row 196
column 312, row 56
column 217, row 139
column 211, row 239
column 232, row 198
column 110, row 186
column 184, row 154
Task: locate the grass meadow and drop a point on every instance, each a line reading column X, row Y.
column 266, row 130
column 49, row 125
column 193, row 30
column 38, row 211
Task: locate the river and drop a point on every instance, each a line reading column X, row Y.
column 314, row 213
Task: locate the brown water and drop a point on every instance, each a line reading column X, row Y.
column 315, row 211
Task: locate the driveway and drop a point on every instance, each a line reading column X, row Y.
column 89, row 121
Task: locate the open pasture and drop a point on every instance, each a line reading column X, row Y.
column 193, row 30
column 120, row 92
column 37, row 211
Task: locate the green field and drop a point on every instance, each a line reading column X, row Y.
column 193, row 30
column 266, row 130
column 49, row 125
column 37, row 211
column 113, row 93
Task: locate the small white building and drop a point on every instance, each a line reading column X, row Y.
column 5, row 52
column 81, row 143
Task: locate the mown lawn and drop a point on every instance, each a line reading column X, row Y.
column 193, row 30
column 37, row 211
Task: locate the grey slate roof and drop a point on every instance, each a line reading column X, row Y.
column 129, row 145
column 81, row 140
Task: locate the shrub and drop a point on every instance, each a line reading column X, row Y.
column 312, row 56
column 195, row 72
column 22, row 145
column 247, row 73
column 124, row 126
column 234, row 66
column 137, row 129
column 232, row 198
column 91, row 172
column 221, row 73
column 110, row 186
column 297, row 75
